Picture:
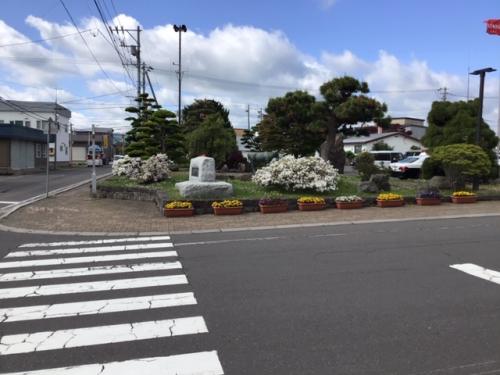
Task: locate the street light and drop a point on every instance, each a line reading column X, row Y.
column 179, row 29
column 481, row 73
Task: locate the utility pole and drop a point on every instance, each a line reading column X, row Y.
column 49, row 123
column 135, row 50
column 150, row 85
column 180, row 29
column 143, row 78
column 94, row 184
column 248, row 115
column 444, row 95
column 260, row 114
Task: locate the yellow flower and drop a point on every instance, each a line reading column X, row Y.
column 228, row 203
column 317, row 200
column 463, row 194
column 178, row 204
column 389, row 197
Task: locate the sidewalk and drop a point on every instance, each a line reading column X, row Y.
column 75, row 211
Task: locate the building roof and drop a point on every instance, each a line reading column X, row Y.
column 375, row 137
column 407, row 118
column 239, row 132
column 27, row 106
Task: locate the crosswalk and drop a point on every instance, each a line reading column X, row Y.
column 65, row 304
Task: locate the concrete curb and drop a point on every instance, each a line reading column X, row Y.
column 6, row 228
column 10, row 209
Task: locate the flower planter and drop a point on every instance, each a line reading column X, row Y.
column 428, row 201
column 465, row 199
column 228, row 210
column 178, row 212
column 349, row 205
column 390, row 203
column 311, row 206
column 274, row 208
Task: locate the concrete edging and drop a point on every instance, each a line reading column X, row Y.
column 6, row 228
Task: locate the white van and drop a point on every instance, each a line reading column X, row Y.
column 383, row 159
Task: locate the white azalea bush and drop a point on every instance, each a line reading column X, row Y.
column 154, row 169
column 303, row 173
column 128, row 167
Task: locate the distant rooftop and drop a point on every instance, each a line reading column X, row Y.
column 374, row 137
column 40, row 107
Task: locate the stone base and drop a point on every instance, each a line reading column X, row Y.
column 204, row 190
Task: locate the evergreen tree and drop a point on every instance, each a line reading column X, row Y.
column 251, row 139
column 194, row 114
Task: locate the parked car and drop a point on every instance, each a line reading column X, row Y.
column 384, row 158
column 409, row 167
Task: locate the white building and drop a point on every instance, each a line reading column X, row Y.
column 36, row 115
column 398, row 141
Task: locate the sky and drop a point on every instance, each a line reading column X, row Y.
column 242, row 53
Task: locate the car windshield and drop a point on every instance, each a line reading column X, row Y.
column 411, row 159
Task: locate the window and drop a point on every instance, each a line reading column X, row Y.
column 27, row 123
column 45, row 125
column 44, row 151
column 61, row 148
column 1, row 121
column 38, row 151
column 357, row 148
column 38, row 124
column 17, row 122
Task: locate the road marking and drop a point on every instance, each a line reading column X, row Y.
column 97, row 242
column 83, row 250
column 8, row 202
column 478, row 271
column 91, row 286
column 15, row 314
column 89, row 271
column 79, row 337
column 202, row 363
column 329, row 235
column 227, row 241
column 86, row 259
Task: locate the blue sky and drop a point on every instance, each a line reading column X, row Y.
column 428, row 44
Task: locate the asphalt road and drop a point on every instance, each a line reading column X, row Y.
column 17, row 188
column 354, row 299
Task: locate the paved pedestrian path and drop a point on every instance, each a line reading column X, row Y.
column 98, row 307
column 76, row 211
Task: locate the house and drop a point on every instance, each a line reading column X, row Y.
column 398, row 141
column 412, row 126
column 81, row 140
column 22, row 149
column 36, row 115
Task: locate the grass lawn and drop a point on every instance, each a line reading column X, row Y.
column 249, row 190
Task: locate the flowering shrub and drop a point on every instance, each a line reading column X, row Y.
column 463, row 194
column 178, row 204
column 272, row 201
column 227, row 203
column 153, row 169
column 348, row 199
column 128, row 167
column 389, row 197
column 306, row 173
column 317, row 200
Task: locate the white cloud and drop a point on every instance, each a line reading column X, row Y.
column 237, row 65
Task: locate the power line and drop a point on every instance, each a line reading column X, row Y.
column 43, row 40
column 86, row 44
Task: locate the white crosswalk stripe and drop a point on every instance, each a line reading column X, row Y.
column 202, row 363
column 88, row 271
column 141, row 273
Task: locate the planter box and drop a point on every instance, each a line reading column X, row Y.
column 311, row 206
column 349, row 205
column 391, row 203
column 469, row 199
column 428, row 201
column 178, row 212
column 272, row 209
column 228, row 210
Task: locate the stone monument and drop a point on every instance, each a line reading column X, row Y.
column 202, row 183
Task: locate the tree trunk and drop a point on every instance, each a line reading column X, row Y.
column 332, row 149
